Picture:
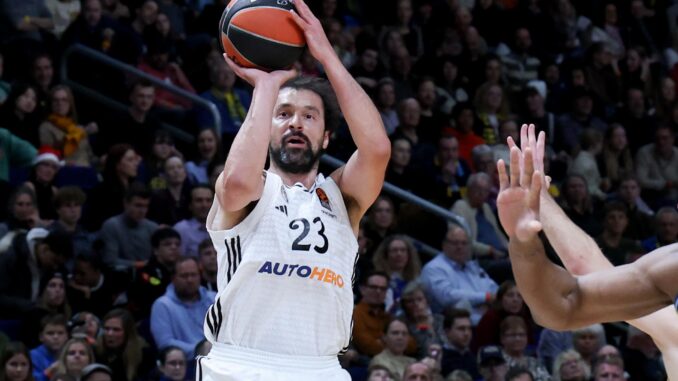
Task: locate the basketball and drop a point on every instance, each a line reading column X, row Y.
column 261, row 34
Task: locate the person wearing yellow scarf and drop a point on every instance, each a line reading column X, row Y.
column 74, row 133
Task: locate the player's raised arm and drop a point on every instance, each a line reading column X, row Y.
column 241, row 181
column 362, row 178
column 558, row 299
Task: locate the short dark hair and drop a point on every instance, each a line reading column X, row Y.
column 205, row 243
column 183, row 260
column 324, row 90
column 53, row 319
column 201, row 186
column 452, row 314
column 162, row 355
column 137, row 190
column 69, row 194
column 372, row 273
column 163, row 234
column 94, row 261
column 616, row 206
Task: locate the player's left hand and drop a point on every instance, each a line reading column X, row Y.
column 316, row 40
column 518, row 199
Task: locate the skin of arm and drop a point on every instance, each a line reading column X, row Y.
column 361, row 179
column 621, row 293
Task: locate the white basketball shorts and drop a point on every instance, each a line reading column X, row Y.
column 230, row 363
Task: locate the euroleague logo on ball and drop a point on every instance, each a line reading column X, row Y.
column 261, row 34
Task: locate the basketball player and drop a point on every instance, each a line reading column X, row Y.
column 598, row 292
column 286, row 237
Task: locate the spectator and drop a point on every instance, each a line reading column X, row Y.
column 62, row 132
column 584, row 163
column 618, row 249
column 68, row 203
column 397, row 256
column 411, row 128
column 636, row 118
column 451, row 88
column 207, row 256
column 551, row 344
column 395, row 339
column 572, row 124
column 615, row 161
column 464, row 130
column 385, row 101
column 19, row 113
column 92, row 288
column 513, row 336
column 127, row 236
column 491, row 109
column 121, row 349
column 666, row 226
column 17, row 153
column 509, row 302
column 381, row 220
column 488, row 240
column 657, row 166
column 491, row 363
column 87, row 326
column 426, row 327
column 156, row 62
column 163, row 149
column 152, row 279
column 639, row 214
column 569, row 366
column 137, row 126
column 536, row 93
column 171, row 203
column 23, row 215
column 42, row 77
column 15, row 363
column 36, row 253
column 521, row 66
column 431, row 120
column 232, row 103
column 53, row 336
column 193, row 230
column 400, row 171
column 601, row 76
column 588, row 340
column 642, row 358
column 74, row 357
column 457, row 353
column 369, row 316
column 41, row 181
column 452, row 279
column 501, row 150
column 177, row 317
column 450, row 172
column 107, row 198
column 579, row 206
column 51, row 300
column 172, row 364
column 209, row 154
column 609, row 368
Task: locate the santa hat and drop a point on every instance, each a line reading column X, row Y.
column 48, row 154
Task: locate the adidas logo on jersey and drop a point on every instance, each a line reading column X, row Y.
column 282, row 208
column 316, row 273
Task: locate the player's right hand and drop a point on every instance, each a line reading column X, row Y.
column 255, row 76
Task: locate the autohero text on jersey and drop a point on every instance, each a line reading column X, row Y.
column 315, row 273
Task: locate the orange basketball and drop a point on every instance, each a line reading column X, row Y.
column 261, row 34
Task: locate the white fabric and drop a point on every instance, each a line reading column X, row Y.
column 277, row 299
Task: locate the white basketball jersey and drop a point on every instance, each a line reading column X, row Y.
column 286, row 272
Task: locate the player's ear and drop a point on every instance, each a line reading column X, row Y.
column 326, row 138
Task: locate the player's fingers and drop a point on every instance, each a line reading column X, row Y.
column 511, row 143
column 531, row 139
column 515, row 167
column 503, row 177
column 523, row 137
column 299, row 20
column 539, row 151
column 535, row 189
column 528, row 168
column 303, row 9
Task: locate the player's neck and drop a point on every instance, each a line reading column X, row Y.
column 289, row 179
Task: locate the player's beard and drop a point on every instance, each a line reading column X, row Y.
column 295, row 160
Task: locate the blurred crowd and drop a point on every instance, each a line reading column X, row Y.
column 107, row 270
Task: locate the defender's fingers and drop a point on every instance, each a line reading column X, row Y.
column 503, row 177
column 528, row 168
column 535, row 189
column 515, row 167
column 523, row 137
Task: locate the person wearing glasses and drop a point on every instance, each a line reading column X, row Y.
column 453, row 279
